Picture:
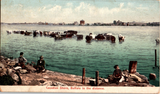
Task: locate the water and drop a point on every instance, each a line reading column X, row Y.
column 70, row 56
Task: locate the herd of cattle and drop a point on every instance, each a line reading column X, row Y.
column 68, row 34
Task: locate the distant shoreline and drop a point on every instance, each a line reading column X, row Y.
column 93, row 24
column 82, row 26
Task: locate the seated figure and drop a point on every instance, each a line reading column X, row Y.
column 22, row 60
column 40, row 64
column 117, row 74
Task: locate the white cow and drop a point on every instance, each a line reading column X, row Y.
column 121, row 37
column 9, row 31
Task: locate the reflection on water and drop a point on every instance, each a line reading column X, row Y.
column 71, row 55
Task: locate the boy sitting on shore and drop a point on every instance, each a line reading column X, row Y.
column 117, row 74
column 40, row 64
column 22, row 60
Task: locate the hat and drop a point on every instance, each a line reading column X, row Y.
column 41, row 57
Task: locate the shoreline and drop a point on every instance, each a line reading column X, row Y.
column 51, row 78
column 88, row 25
column 34, row 78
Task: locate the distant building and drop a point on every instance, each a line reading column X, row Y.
column 40, row 23
column 123, row 23
column 119, row 22
column 98, row 24
column 87, row 24
column 82, row 22
column 114, row 22
column 75, row 23
column 61, row 23
column 46, row 23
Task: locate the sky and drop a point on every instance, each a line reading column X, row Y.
column 69, row 11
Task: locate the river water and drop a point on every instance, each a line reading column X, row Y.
column 71, row 55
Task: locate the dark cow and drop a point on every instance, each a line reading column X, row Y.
column 21, row 32
column 113, row 39
column 40, row 33
column 79, row 37
column 71, row 32
column 69, row 35
column 52, row 34
column 88, row 38
column 27, row 33
column 16, row 32
column 34, row 33
column 100, row 37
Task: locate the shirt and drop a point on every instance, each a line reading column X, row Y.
column 21, row 60
column 117, row 73
column 41, row 63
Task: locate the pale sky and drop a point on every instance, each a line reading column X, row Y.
column 68, row 11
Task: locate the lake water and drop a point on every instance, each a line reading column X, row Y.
column 70, row 56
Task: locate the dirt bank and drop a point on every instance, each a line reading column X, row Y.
column 29, row 77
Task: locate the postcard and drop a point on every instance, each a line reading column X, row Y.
column 80, row 46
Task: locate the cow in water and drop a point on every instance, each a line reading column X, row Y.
column 45, row 33
column 22, row 32
column 34, row 33
column 27, row 33
column 40, row 32
column 37, row 32
column 121, row 38
column 89, row 37
column 52, row 34
column 9, row 31
column 113, row 39
column 109, row 36
column 16, row 31
column 100, row 37
column 70, row 32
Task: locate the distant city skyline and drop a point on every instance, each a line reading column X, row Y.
column 69, row 11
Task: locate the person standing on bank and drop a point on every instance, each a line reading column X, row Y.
column 40, row 64
column 22, row 60
column 117, row 74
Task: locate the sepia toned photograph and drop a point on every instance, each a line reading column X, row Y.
column 86, row 46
